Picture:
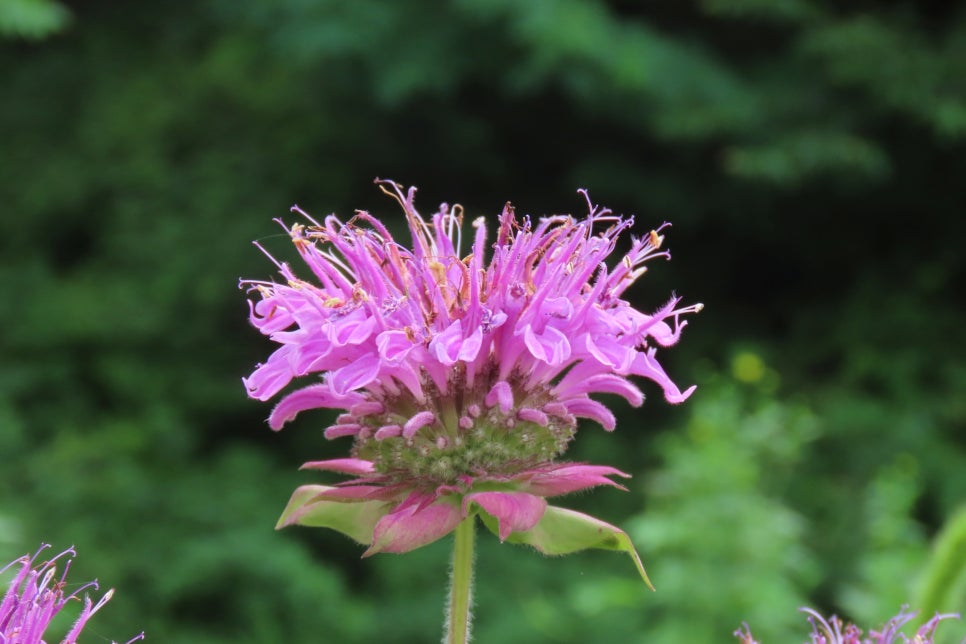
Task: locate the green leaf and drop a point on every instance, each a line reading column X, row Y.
column 561, row 531
column 32, row 19
column 355, row 519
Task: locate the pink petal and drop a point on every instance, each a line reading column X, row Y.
column 515, row 511
column 342, row 465
column 471, row 346
column 558, row 307
column 587, row 408
column 311, row 397
column 268, row 317
column 603, row 383
column 269, row 378
column 448, row 346
column 359, row 373
column 571, row 478
column 609, row 352
column 645, row 364
column 551, row 346
column 445, row 345
column 393, row 345
column 413, row 527
column 500, row 393
column 352, row 331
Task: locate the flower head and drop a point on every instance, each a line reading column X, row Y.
column 35, row 596
column 833, row 631
column 460, row 376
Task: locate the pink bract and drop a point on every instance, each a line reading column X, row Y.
column 460, row 374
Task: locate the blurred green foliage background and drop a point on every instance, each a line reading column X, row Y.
column 810, row 154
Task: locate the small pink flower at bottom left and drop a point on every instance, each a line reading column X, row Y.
column 35, row 596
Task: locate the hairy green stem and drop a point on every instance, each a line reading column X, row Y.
column 461, row 584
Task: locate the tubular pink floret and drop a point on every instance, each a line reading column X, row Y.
column 502, row 394
column 311, row 397
column 595, row 411
column 417, row 422
column 367, row 407
column 533, row 416
column 338, row 431
column 388, row 431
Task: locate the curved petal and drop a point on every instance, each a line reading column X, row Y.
column 558, row 307
column 571, row 478
column 359, row 373
column 587, row 408
column 269, row 378
column 311, row 397
column 645, row 364
column 352, row 331
column 445, row 346
column 514, row 511
column 602, row 383
column 471, row 346
column 609, row 352
column 394, row 345
column 551, row 346
column 355, row 466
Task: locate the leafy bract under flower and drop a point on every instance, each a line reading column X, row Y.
column 460, row 376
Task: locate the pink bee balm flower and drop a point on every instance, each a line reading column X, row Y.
column 34, row 597
column 833, row 631
column 460, row 376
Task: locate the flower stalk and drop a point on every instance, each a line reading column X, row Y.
column 459, row 606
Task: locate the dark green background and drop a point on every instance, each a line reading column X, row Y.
column 811, row 155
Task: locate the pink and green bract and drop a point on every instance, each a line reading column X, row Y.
column 460, row 377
